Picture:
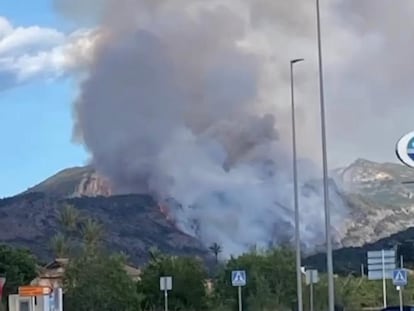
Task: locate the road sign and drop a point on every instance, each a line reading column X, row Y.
column 311, row 276
column 165, row 283
column 405, row 149
column 238, row 278
column 381, row 264
column 378, row 254
column 33, row 291
column 379, row 261
column 165, row 286
column 377, row 275
column 399, row 277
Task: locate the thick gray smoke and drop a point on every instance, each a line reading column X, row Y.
column 190, row 100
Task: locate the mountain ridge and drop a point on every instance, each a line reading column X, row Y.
column 380, row 205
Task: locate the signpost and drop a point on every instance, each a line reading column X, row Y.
column 311, row 278
column 238, row 279
column 380, row 266
column 400, row 279
column 165, row 285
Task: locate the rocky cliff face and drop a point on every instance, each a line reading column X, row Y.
column 380, row 201
column 75, row 182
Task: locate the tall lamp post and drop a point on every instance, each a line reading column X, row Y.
column 329, row 261
column 295, row 191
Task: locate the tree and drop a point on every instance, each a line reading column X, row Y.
column 271, row 280
column 18, row 265
column 66, row 242
column 95, row 283
column 92, row 233
column 60, row 246
column 188, row 276
column 69, row 218
column 216, row 250
column 62, row 243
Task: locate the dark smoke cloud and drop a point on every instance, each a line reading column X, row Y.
column 190, row 100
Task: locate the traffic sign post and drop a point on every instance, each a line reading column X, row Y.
column 311, row 278
column 165, row 285
column 380, row 266
column 400, row 279
column 238, row 279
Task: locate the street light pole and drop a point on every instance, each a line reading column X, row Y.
column 329, row 261
column 295, row 191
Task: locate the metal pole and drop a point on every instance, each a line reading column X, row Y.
column 401, row 299
column 165, row 300
column 329, row 261
column 311, row 292
column 240, row 298
column 384, row 283
column 401, row 262
column 295, row 192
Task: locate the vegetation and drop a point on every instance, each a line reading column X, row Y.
column 19, row 267
column 97, row 280
column 189, row 278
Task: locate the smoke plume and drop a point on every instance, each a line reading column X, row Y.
column 189, row 99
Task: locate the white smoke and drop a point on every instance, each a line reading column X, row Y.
column 183, row 99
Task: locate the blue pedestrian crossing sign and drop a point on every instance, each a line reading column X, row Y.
column 238, row 278
column 399, row 277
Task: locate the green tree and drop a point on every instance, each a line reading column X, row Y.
column 62, row 243
column 92, row 234
column 271, row 280
column 69, row 218
column 188, row 291
column 18, row 265
column 60, row 246
column 95, row 283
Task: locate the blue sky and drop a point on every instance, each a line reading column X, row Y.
column 36, row 96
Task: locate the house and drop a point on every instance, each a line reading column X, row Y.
column 52, row 274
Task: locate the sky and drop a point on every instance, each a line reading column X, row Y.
column 42, row 55
column 35, row 102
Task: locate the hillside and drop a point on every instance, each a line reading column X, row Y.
column 349, row 259
column 380, row 205
column 132, row 223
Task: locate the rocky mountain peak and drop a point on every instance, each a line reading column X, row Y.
column 75, row 182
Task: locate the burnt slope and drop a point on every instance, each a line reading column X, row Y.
column 132, row 223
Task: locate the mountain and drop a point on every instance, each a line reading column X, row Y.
column 383, row 183
column 132, row 223
column 378, row 202
column 74, row 182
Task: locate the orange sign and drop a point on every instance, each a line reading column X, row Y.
column 31, row 291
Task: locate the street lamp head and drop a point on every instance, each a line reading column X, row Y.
column 296, row 60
